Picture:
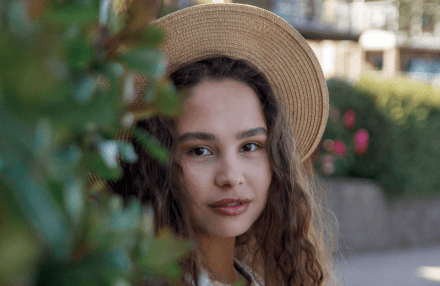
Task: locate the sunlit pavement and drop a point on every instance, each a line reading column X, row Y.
column 417, row 266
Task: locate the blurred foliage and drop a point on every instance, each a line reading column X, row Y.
column 403, row 149
column 342, row 98
column 66, row 88
column 402, row 98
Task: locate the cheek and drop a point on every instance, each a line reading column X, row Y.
column 261, row 177
column 267, row 181
column 196, row 180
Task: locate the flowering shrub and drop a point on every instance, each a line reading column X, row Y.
column 364, row 138
column 353, row 143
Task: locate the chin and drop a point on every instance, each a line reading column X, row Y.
column 227, row 230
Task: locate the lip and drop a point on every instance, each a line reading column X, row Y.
column 225, row 202
column 222, row 207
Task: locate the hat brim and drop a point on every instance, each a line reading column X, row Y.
column 267, row 42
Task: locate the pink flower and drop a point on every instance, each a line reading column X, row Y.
column 361, row 139
column 327, row 145
column 339, row 148
column 349, row 119
column 328, row 164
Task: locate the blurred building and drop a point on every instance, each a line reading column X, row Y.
column 391, row 37
column 402, row 38
column 331, row 29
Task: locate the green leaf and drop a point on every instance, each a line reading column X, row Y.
column 43, row 138
column 85, row 89
column 100, row 110
column 104, row 171
column 115, row 204
column 56, row 187
column 148, row 61
column 19, row 250
column 72, row 32
column 163, row 254
column 63, row 162
column 80, row 54
column 116, row 22
column 121, row 282
column 127, row 152
column 148, row 221
column 70, row 154
column 151, row 145
column 128, row 218
column 19, row 22
column 153, row 35
column 72, row 14
column 109, row 152
column 74, row 199
column 2, row 163
column 167, row 99
column 42, row 210
column 118, row 258
column 115, row 69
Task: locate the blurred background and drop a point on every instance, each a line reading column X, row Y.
column 379, row 159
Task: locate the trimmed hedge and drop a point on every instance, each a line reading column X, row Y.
column 403, row 148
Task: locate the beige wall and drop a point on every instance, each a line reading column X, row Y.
column 341, row 59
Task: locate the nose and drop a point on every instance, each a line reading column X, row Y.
column 229, row 172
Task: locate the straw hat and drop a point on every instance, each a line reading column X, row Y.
column 265, row 41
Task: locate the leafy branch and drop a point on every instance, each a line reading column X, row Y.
column 66, row 91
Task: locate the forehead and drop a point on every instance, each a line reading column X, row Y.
column 221, row 107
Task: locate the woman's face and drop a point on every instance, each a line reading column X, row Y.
column 222, row 137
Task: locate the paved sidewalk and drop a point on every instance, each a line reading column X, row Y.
column 417, row 266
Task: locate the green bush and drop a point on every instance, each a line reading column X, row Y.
column 414, row 160
column 402, row 151
column 400, row 97
column 58, row 123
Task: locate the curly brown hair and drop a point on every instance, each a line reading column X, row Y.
column 291, row 243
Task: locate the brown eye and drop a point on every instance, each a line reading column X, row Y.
column 249, row 147
column 199, row 151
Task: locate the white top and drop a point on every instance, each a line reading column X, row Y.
column 241, row 267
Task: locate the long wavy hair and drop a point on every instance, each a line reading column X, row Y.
column 291, row 243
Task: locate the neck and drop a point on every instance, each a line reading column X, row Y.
column 220, row 257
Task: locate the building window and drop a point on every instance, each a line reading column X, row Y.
column 405, row 14
column 374, row 60
column 427, row 23
column 422, row 68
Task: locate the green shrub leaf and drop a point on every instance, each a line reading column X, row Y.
column 74, row 199
column 151, row 145
column 43, row 137
column 106, row 172
column 85, row 89
column 148, row 61
column 167, row 100
column 127, row 152
column 43, row 211
column 80, row 54
column 72, row 14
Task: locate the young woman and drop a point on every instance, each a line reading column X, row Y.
column 239, row 183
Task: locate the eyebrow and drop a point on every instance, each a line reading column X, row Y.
column 211, row 137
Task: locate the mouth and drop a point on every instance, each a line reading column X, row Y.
column 229, row 203
column 230, row 207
